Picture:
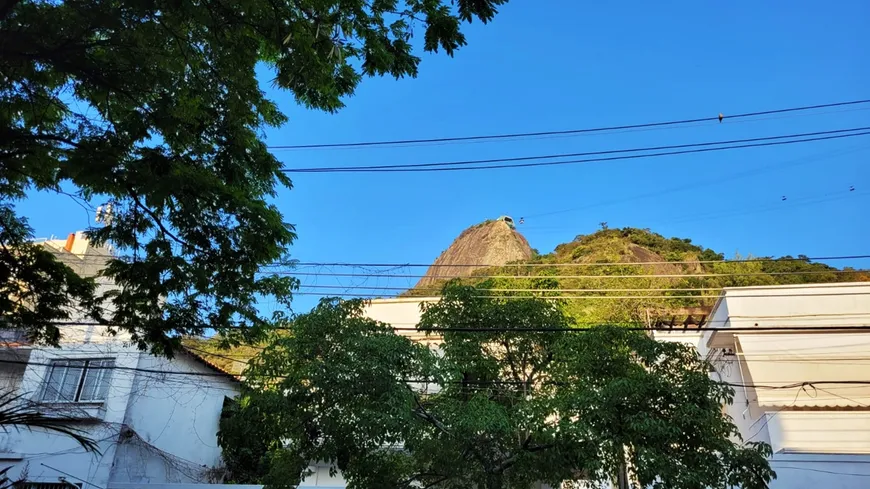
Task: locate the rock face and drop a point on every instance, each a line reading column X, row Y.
column 491, row 243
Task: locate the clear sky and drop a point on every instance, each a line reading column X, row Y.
column 572, row 64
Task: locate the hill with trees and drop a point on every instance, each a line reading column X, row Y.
column 633, row 274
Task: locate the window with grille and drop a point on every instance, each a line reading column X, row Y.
column 78, row 381
column 49, row 485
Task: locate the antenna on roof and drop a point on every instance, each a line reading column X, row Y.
column 104, row 214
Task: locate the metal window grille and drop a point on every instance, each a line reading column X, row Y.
column 48, row 485
column 78, row 381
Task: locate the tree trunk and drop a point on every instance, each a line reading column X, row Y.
column 494, row 480
column 622, row 477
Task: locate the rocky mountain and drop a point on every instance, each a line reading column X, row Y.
column 625, row 275
column 487, row 243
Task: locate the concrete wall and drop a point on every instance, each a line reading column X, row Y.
column 174, row 422
column 401, row 313
column 811, row 471
column 843, row 304
column 153, row 427
column 817, row 447
column 42, row 452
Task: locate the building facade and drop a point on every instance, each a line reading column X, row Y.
column 154, row 420
column 804, row 391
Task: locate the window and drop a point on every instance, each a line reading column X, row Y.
column 78, row 381
column 49, row 485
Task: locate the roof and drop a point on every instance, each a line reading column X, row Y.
column 204, row 360
column 231, row 362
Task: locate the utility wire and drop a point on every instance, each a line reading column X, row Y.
column 635, row 326
column 850, row 474
column 93, row 257
column 596, row 297
column 424, row 168
column 568, row 131
column 670, row 275
column 574, row 155
column 219, row 374
column 522, row 265
column 689, row 186
column 558, row 289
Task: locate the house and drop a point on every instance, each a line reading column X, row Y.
column 155, row 420
column 804, row 391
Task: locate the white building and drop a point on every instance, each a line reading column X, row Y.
column 155, row 420
column 817, row 419
column 809, row 403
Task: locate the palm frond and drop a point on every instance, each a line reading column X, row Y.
column 15, row 410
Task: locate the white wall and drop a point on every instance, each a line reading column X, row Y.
column 844, row 304
column 175, row 422
column 820, row 472
column 832, row 443
column 401, row 313
column 42, row 451
column 153, row 427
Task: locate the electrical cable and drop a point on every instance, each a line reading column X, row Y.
column 438, row 291
column 628, row 326
column 574, row 155
column 606, row 277
column 578, row 297
column 219, row 374
column 91, row 258
column 532, row 265
column 851, row 474
column 568, row 131
column 684, row 187
column 426, row 167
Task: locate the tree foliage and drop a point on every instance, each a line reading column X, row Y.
column 154, row 106
column 492, row 407
column 16, row 412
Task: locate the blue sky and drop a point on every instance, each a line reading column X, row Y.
column 590, row 64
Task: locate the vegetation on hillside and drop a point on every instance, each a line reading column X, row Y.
column 232, row 360
column 652, row 275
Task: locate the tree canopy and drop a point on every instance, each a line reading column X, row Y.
column 499, row 404
column 154, row 106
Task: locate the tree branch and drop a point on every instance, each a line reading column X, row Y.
column 159, row 223
column 6, row 8
column 422, row 413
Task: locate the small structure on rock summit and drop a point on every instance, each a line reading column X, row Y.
column 507, row 220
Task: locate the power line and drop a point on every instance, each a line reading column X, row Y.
column 219, row 374
column 599, row 297
column 447, row 276
column 376, row 287
column 719, row 180
column 70, row 475
column 628, row 326
column 361, row 144
column 426, row 167
column 93, row 257
column 851, row 474
column 677, row 328
column 519, row 265
column 557, row 289
column 574, row 155
column 808, row 200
